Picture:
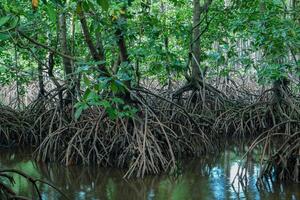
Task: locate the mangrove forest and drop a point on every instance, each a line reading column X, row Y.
column 149, row 99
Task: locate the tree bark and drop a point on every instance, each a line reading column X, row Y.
column 41, row 81
column 67, row 63
column 198, row 10
column 122, row 45
column 196, row 73
column 121, row 42
column 97, row 56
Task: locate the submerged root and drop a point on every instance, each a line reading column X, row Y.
column 276, row 126
column 280, row 152
column 149, row 142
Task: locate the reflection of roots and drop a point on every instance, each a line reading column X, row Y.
column 150, row 142
column 280, row 151
column 276, row 126
column 162, row 130
column 5, row 186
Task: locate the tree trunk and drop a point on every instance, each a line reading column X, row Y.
column 67, row 63
column 121, row 42
column 196, row 73
column 122, row 45
column 97, row 56
column 40, row 76
column 166, row 43
column 41, row 81
column 198, row 10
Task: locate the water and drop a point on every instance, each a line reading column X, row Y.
column 204, row 178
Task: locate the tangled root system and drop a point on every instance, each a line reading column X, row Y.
column 149, row 142
column 14, row 128
column 276, row 127
column 163, row 130
column 262, row 115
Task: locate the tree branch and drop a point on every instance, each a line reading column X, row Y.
column 45, row 46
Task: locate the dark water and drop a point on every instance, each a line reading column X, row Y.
column 203, row 178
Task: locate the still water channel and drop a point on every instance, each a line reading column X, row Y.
column 205, row 178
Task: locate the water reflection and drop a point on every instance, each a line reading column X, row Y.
column 207, row 178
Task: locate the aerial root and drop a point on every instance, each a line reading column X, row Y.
column 264, row 114
column 276, row 127
column 279, row 155
column 147, row 143
column 14, row 128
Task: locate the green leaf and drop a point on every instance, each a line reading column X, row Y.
column 78, row 112
column 14, row 22
column 112, row 113
column 4, row 36
column 104, row 4
column 118, row 100
column 114, row 87
column 3, row 69
column 51, row 13
column 4, row 20
column 86, row 80
column 80, row 106
column 105, row 104
column 86, row 94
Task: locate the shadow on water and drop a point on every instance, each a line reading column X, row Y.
column 209, row 177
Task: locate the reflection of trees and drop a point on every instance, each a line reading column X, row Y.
column 109, row 184
column 19, row 159
column 98, row 182
column 207, row 177
column 78, row 182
